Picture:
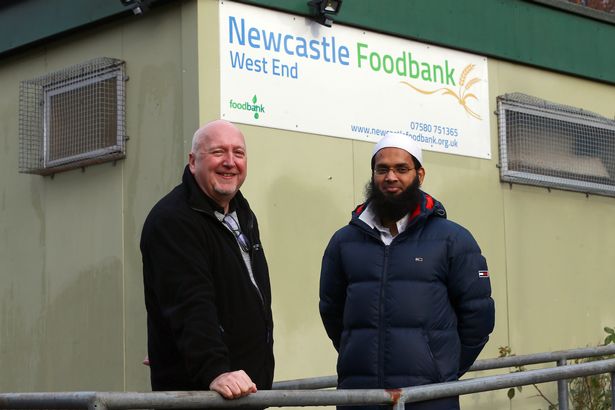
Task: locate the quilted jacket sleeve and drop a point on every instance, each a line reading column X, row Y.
column 332, row 292
column 470, row 293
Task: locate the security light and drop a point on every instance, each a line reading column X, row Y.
column 137, row 6
column 325, row 10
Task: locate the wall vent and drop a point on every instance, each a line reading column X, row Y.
column 73, row 117
column 555, row 146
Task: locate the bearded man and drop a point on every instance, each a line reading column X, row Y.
column 405, row 295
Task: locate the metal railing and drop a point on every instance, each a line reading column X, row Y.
column 562, row 356
column 298, row 397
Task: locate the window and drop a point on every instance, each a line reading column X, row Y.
column 601, row 10
column 72, row 118
column 556, row 146
column 607, row 6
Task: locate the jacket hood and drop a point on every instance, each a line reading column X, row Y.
column 428, row 207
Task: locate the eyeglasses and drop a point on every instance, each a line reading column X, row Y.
column 398, row 170
column 233, row 225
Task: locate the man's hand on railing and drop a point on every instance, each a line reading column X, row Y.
column 233, row 385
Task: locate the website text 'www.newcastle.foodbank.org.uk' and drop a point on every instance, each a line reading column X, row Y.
column 417, row 136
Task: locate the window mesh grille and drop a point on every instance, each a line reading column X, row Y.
column 72, row 117
column 556, row 146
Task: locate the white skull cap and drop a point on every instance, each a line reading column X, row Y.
column 401, row 141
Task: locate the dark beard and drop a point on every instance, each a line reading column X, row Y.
column 393, row 207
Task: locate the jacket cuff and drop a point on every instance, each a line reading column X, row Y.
column 468, row 355
column 211, row 373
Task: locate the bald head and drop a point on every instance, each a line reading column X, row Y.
column 218, row 160
column 216, row 127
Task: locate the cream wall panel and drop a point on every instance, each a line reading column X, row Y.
column 558, row 244
column 83, row 256
column 22, row 236
column 300, row 187
column 162, row 115
column 560, row 259
column 82, row 315
column 72, row 315
column 208, row 61
column 362, row 154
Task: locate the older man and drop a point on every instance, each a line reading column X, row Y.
column 206, row 279
column 404, row 292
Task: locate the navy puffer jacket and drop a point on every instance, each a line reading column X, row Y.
column 411, row 313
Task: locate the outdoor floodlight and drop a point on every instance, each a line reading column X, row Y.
column 325, row 10
column 137, row 6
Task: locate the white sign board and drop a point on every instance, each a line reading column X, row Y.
column 284, row 71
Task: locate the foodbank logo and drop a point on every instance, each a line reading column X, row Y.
column 251, row 106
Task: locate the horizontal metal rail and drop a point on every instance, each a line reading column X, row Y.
column 485, row 364
column 309, row 383
column 396, row 397
column 481, row 384
column 546, row 357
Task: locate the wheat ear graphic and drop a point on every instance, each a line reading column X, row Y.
column 462, row 96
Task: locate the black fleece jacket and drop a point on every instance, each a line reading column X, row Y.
column 204, row 315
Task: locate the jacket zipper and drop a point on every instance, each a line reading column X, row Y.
column 254, row 247
column 269, row 335
column 381, row 331
column 251, row 253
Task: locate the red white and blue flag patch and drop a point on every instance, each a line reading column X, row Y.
column 483, row 273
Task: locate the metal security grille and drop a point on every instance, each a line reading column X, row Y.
column 72, row 117
column 555, row 146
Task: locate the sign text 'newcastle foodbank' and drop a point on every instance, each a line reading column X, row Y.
column 278, row 70
column 324, row 49
column 281, row 55
column 404, row 66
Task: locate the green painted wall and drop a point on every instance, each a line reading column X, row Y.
column 522, row 31
column 515, row 30
column 24, row 22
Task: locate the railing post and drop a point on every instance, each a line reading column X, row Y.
column 97, row 404
column 562, row 388
column 400, row 405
